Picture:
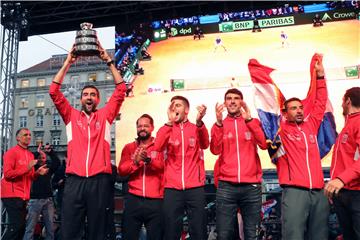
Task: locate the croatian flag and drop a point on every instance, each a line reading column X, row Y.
column 269, row 101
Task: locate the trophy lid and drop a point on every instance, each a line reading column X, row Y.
column 86, row 25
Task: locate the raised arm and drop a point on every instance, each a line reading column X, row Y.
column 217, row 131
column 117, row 98
column 202, row 132
column 61, row 103
column 319, row 108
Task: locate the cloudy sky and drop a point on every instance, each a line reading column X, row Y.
column 40, row 48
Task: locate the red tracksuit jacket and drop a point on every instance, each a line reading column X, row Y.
column 16, row 180
column 301, row 164
column 345, row 163
column 146, row 180
column 88, row 136
column 236, row 142
column 184, row 164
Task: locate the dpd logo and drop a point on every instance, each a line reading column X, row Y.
column 184, row 31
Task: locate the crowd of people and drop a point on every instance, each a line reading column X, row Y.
column 127, row 49
column 166, row 173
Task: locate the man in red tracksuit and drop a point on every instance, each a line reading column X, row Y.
column 304, row 207
column 18, row 174
column 145, row 168
column 88, row 189
column 344, row 187
column 239, row 172
column 184, row 169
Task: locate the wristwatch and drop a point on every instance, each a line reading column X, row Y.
column 110, row 62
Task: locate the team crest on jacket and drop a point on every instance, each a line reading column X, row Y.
column 22, row 162
column 79, row 123
column 344, row 138
column 229, row 135
column 192, row 142
column 248, row 135
column 312, row 138
column 97, row 125
column 153, row 154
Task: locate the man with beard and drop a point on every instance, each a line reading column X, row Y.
column 344, row 187
column 89, row 185
column 18, row 174
column 304, row 207
column 184, row 169
column 145, row 167
column 238, row 168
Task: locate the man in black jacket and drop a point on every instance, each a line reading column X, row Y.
column 41, row 195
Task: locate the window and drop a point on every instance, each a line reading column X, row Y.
column 92, row 77
column 74, row 78
column 39, row 120
column 41, row 82
column 55, row 140
column 24, row 102
column 23, row 121
column 24, row 83
column 108, row 76
column 56, row 119
column 40, row 100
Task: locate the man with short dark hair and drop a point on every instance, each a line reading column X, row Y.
column 41, row 195
column 304, row 207
column 18, row 173
column 238, row 168
column 344, row 187
column 145, row 168
column 184, row 169
column 89, row 186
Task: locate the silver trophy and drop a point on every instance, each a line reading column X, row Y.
column 86, row 41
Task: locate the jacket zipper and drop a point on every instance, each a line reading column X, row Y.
column 144, row 183
column 307, row 158
column 88, row 149
column 182, row 155
column 24, row 176
column 237, row 150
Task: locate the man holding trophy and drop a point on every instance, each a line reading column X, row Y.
column 88, row 187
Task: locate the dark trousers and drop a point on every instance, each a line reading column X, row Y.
column 229, row 198
column 139, row 211
column 175, row 203
column 92, row 198
column 304, row 214
column 15, row 217
column 347, row 207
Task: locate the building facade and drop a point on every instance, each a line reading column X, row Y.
column 35, row 110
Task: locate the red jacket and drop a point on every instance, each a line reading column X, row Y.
column 16, row 180
column 345, row 163
column 146, row 180
column 301, row 164
column 184, row 165
column 88, row 137
column 236, row 142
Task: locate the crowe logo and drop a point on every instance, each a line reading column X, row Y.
column 338, row 16
column 326, row 17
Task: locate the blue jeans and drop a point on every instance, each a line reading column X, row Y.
column 35, row 208
column 229, row 198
